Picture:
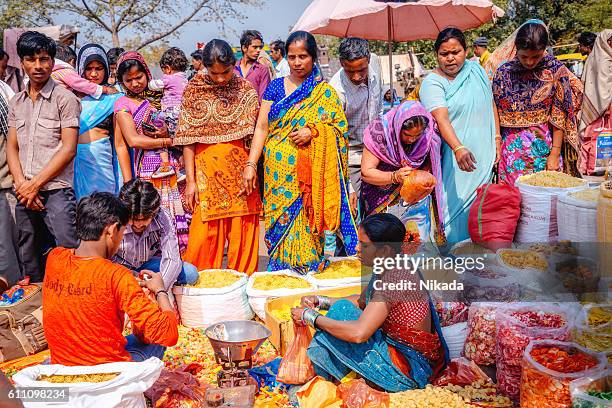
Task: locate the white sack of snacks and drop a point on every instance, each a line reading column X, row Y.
column 264, row 285
column 340, row 273
column 539, row 195
column 124, row 386
column 577, row 216
column 217, row 295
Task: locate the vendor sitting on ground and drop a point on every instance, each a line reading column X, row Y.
column 150, row 241
column 392, row 339
column 86, row 296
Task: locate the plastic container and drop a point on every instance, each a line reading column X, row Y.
column 542, row 387
column 455, row 336
column 201, row 307
column 580, row 388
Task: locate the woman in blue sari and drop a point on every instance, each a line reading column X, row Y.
column 458, row 95
column 95, row 165
column 302, row 132
column 391, row 338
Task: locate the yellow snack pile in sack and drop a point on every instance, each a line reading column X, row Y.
column 551, row 179
column 588, row 194
column 347, row 268
column 273, row 281
column 523, row 259
column 215, row 278
column 77, row 378
column 430, row 397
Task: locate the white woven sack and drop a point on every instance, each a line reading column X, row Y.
column 577, row 219
column 455, row 336
column 201, row 307
column 124, row 391
column 538, row 220
column 338, row 283
column 258, row 298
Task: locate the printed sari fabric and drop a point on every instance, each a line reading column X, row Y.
column 396, row 357
column 529, row 103
column 469, row 101
column 145, row 162
column 382, row 138
column 306, row 188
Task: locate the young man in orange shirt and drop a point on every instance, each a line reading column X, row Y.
column 86, row 296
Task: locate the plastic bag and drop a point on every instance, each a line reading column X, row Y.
column 518, row 325
column 266, row 374
column 491, row 284
column 296, row 367
column 544, row 387
column 318, row 393
column 125, row 390
column 480, row 341
column 594, row 328
column 587, row 392
column 177, row 389
column 494, row 215
column 417, row 185
column 357, row 394
column 461, row 371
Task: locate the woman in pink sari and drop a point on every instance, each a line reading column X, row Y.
column 140, row 136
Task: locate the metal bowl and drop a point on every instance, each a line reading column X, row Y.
column 236, row 340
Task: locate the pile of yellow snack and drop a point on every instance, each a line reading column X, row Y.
column 273, row 281
column 481, row 393
column 561, row 247
column 551, row 179
column 215, row 278
column 597, row 335
column 430, row 397
column 588, row 194
column 347, row 268
column 284, row 312
column 523, row 259
column 77, row 378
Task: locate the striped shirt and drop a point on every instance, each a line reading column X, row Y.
column 159, row 239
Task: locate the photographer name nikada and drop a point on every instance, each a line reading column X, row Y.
column 429, row 285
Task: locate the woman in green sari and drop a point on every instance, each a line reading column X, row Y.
column 302, row 132
column 458, row 95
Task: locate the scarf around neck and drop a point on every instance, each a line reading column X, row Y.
column 212, row 113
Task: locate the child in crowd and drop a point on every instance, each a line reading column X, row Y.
column 173, row 64
column 113, row 55
column 65, row 75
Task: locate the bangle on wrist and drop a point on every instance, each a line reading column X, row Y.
column 251, row 165
column 456, row 149
column 393, row 178
column 324, row 302
column 556, row 147
column 160, row 291
column 309, row 316
column 313, row 130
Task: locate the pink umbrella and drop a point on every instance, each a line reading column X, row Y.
column 406, row 20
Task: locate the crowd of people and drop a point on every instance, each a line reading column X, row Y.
column 113, row 181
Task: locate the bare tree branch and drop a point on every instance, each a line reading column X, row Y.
column 125, row 13
column 178, row 25
column 141, row 15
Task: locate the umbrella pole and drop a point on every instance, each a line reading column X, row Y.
column 390, row 49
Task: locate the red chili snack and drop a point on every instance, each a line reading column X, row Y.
column 549, row 367
column 515, row 329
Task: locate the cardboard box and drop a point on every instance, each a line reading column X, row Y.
column 282, row 332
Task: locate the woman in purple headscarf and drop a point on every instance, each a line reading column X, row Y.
column 402, row 140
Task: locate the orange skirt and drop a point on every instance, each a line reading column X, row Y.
column 207, row 242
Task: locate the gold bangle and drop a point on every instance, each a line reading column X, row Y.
column 393, row 179
column 313, row 130
column 456, row 149
column 251, row 165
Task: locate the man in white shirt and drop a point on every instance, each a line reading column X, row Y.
column 277, row 49
column 359, row 86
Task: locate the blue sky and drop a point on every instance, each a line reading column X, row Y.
column 273, row 18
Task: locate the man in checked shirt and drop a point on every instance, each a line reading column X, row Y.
column 150, row 241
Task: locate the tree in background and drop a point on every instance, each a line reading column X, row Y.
column 147, row 20
column 22, row 13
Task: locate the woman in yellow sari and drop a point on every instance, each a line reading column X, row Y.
column 302, row 132
column 218, row 115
